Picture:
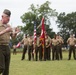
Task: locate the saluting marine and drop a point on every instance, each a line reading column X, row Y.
column 5, row 32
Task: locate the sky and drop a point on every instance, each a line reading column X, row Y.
column 19, row 7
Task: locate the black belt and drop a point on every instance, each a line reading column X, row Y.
column 4, row 44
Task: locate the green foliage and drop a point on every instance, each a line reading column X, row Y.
column 17, row 39
column 36, row 14
column 67, row 24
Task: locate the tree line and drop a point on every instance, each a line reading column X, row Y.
column 65, row 22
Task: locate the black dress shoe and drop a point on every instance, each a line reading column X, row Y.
column 68, row 59
column 22, row 59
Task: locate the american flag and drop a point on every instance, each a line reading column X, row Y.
column 35, row 32
column 18, row 45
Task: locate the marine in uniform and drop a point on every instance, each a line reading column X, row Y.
column 59, row 45
column 38, row 48
column 25, row 43
column 47, row 47
column 5, row 32
column 71, row 41
column 14, row 50
column 55, row 52
column 30, row 48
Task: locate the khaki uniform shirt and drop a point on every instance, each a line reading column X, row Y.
column 38, row 41
column 59, row 41
column 30, row 41
column 25, row 41
column 54, row 42
column 71, row 41
column 5, row 38
column 47, row 41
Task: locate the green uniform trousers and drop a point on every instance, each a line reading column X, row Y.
column 38, row 50
column 24, row 52
column 59, row 47
column 72, row 49
column 4, row 59
column 30, row 53
column 55, row 53
column 48, row 53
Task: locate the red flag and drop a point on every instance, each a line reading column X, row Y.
column 18, row 45
column 42, row 37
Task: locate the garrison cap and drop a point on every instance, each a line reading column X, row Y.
column 7, row 12
column 58, row 34
column 25, row 34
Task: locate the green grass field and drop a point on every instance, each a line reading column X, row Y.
column 25, row 67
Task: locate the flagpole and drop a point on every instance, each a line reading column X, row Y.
column 44, row 44
column 43, row 38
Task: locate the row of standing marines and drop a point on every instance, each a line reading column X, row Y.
column 52, row 46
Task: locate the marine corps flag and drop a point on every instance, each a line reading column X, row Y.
column 42, row 37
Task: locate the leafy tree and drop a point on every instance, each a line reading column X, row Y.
column 18, row 38
column 36, row 14
column 67, row 24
